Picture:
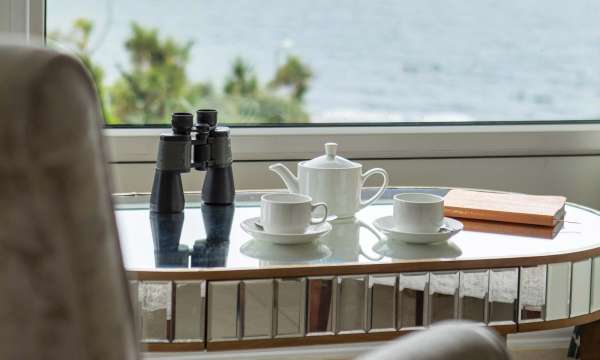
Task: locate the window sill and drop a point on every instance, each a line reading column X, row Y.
column 381, row 142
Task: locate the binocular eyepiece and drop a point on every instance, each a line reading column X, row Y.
column 207, row 116
column 203, row 146
column 182, row 123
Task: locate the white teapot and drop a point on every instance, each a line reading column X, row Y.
column 332, row 179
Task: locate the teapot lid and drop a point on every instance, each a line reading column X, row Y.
column 330, row 160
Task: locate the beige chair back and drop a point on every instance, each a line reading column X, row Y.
column 63, row 291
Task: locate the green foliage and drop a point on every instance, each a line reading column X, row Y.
column 242, row 80
column 259, row 109
column 295, row 74
column 154, row 83
column 79, row 39
column 247, row 103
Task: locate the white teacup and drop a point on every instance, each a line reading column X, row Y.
column 288, row 213
column 418, row 213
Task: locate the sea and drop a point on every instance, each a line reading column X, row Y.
column 380, row 60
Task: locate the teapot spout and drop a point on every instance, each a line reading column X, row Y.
column 291, row 182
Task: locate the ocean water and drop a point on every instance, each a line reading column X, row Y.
column 382, row 60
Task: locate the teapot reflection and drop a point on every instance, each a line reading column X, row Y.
column 208, row 252
column 344, row 240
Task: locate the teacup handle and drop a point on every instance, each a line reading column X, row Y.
column 313, row 207
column 379, row 192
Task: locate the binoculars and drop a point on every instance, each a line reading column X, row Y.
column 203, row 146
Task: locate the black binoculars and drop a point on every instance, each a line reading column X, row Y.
column 203, row 146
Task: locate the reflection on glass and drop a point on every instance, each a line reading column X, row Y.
column 155, row 309
column 532, row 293
column 208, row 252
column 190, row 298
column 474, row 285
column 290, row 298
column 257, row 303
column 581, row 286
column 345, row 239
column 404, row 251
column 383, row 302
column 321, row 306
column 503, row 295
column 352, row 304
column 223, row 311
column 166, row 232
column 558, row 290
column 413, row 300
column 217, row 221
column 276, row 254
column 212, row 251
column 443, row 292
column 595, row 298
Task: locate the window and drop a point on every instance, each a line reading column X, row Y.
column 272, row 62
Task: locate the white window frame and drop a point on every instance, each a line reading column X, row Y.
column 23, row 17
column 359, row 142
column 390, row 142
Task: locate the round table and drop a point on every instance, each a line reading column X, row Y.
column 202, row 283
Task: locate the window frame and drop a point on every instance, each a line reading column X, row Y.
column 24, row 17
column 372, row 141
column 393, row 142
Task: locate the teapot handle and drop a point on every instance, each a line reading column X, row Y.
column 379, row 192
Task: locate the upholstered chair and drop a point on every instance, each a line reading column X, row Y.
column 63, row 291
column 451, row 340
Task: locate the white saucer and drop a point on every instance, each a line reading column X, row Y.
column 387, row 226
column 312, row 233
column 330, row 218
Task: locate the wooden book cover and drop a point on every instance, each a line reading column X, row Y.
column 505, row 207
column 538, row 231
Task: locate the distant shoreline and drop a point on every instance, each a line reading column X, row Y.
column 384, row 61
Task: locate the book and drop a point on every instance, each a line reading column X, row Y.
column 505, row 207
column 537, row 231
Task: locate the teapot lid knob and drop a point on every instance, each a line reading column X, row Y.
column 331, row 150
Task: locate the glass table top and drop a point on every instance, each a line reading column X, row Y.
column 211, row 237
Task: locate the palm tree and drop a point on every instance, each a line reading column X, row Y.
column 295, row 74
column 242, row 80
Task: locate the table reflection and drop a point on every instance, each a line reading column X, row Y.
column 210, row 251
column 166, row 233
column 403, row 251
column 344, row 240
column 277, row 254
